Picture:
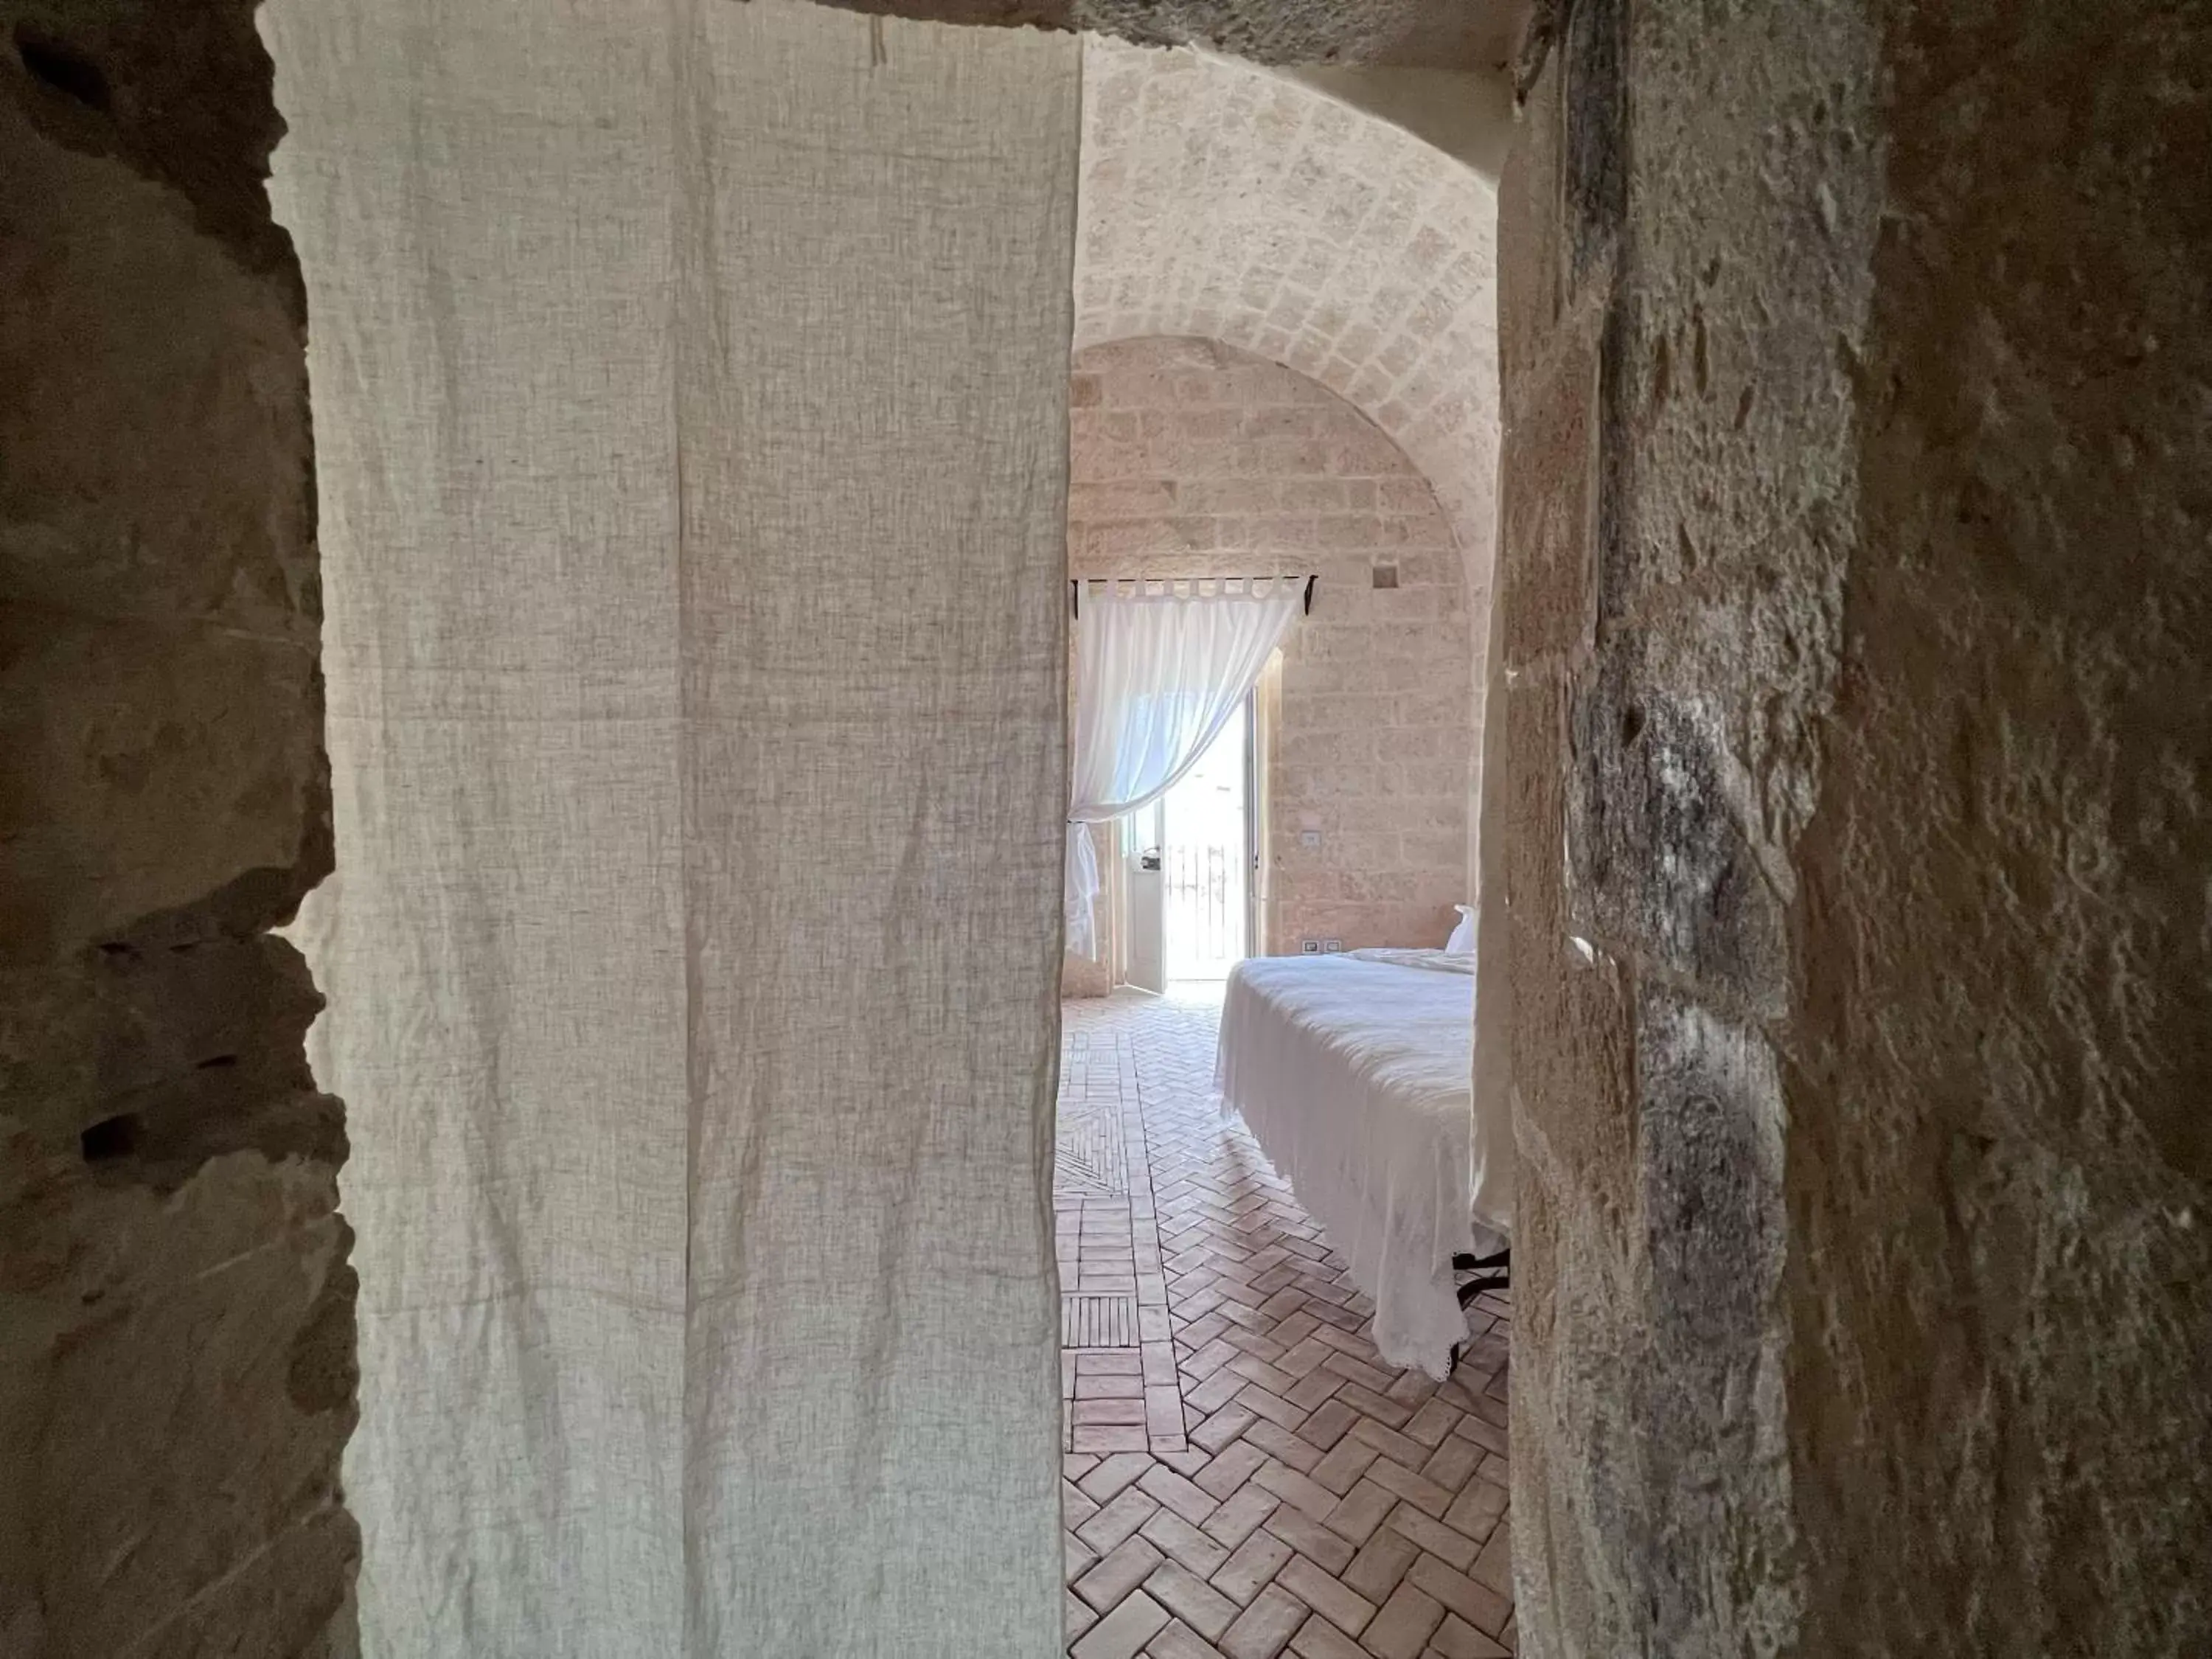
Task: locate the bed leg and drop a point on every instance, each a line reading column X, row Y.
column 1491, row 1272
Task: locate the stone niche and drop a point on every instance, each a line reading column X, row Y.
column 1860, row 805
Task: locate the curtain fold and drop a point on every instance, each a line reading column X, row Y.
column 690, row 389
column 1158, row 674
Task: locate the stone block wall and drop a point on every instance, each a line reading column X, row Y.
column 1191, row 458
column 176, row 1313
column 1859, row 804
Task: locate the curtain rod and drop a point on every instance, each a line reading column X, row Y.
column 1075, row 584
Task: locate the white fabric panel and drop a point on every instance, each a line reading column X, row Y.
column 689, row 393
column 1158, row 671
column 1351, row 1072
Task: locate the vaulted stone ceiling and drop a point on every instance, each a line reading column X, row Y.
column 1442, row 34
column 1226, row 201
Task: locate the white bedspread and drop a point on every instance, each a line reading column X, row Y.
column 1355, row 1075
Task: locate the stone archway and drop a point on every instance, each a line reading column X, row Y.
column 1222, row 201
column 1226, row 201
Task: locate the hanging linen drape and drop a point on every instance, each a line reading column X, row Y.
column 689, row 388
column 1158, row 672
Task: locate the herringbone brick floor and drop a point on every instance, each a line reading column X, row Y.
column 1245, row 1476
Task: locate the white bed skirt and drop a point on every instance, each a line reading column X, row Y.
column 1355, row 1075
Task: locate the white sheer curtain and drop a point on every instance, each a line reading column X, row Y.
column 1158, row 674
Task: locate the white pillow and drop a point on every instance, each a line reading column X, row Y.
column 1462, row 942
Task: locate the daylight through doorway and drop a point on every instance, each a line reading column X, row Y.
column 1205, row 859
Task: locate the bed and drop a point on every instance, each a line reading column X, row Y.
column 1355, row 1072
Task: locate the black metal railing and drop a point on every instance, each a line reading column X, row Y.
column 1205, row 900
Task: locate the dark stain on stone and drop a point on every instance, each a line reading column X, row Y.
column 1655, row 847
column 111, row 1139
column 1538, row 36
column 1596, row 148
column 54, row 63
column 1616, row 442
column 1700, row 359
column 182, row 96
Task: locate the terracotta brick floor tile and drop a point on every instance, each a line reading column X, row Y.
column 1180, row 1541
column 1457, row 1639
column 1192, row 1599
column 1172, row 1491
column 1403, row 1627
column 1382, row 1564
column 1188, row 1461
column 1315, row 1386
column 1251, row 1565
column 1399, row 1448
column 1234, row 1520
column 1223, row 1426
column 1346, row 1609
column 1122, row 1633
column 1453, row 1464
column 1292, row 1450
column 1117, row 1520
column 1361, row 1510
column 1077, row 1555
column 1432, row 1421
column 1236, row 1464
column 1486, row 1434
column 1110, row 1411
column 1309, row 1538
column 1111, row 1386
column 1368, row 1403
column 1319, row 1639
column 1127, row 1565
column 1179, row 1641
column 1328, row 1424
column 1075, row 1618
column 1495, row 1566
column 1110, row 1475
column 1340, row 1470
column 1478, row 1604
column 1265, row 1628
column 1456, row 1550
column 1477, row 1510
column 1076, row 1505
column 1302, row 1491
column 1423, row 1494
column 1234, row 1446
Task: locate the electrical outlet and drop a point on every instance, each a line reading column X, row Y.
column 1310, row 947
column 1309, row 837
column 1332, row 945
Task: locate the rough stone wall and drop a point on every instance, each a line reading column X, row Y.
column 1191, row 458
column 1854, row 536
column 176, row 1323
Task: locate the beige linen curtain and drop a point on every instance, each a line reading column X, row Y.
column 690, row 391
